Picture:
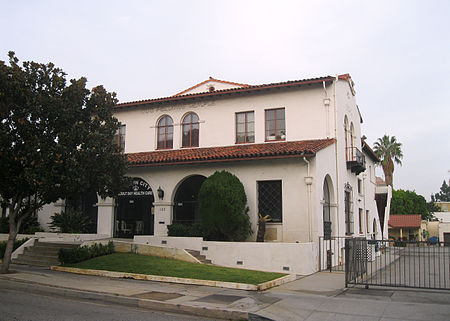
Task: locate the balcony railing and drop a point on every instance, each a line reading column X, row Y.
column 356, row 160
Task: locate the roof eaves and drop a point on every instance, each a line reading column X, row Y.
column 231, row 91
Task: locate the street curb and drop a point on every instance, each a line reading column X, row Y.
column 34, row 287
column 169, row 279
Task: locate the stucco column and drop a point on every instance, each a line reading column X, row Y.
column 105, row 216
column 163, row 217
column 401, row 234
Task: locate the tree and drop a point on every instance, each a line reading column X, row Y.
column 409, row 202
column 223, row 208
column 444, row 193
column 56, row 141
column 389, row 150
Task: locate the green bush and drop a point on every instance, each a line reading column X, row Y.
column 17, row 243
column 71, row 221
column 83, row 253
column 177, row 229
column 30, row 225
column 223, row 210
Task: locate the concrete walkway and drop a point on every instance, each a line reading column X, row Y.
column 320, row 296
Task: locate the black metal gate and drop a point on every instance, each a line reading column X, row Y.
column 397, row 264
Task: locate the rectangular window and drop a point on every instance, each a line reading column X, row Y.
column 361, row 221
column 360, row 187
column 348, row 213
column 119, row 137
column 275, row 124
column 367, row 221
column 245, row 127
column 270, row 200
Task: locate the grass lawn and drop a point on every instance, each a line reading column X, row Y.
column 153, row 265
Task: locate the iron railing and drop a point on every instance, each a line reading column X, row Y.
column 332, row 253
column 410, row 264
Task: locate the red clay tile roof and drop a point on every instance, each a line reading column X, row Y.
column 231, row 91
column 405, row 221
column 380, row 182
column 229, row 153
column 211, row 79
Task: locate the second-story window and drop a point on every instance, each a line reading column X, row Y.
column 245, row 127
column 190, row 130
column 275, row 124
column 165, row 133
column 119, row 137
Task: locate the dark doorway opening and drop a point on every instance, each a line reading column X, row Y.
column 86, row 204
column 134, row 210
column 186, row 201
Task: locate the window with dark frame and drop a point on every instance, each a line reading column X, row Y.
column 270, row 200
column 361, row 221
column 348, row 209
column 275, row 124
column 165, row 133
column 119, row 137
column 190, row 130
column 245, row 127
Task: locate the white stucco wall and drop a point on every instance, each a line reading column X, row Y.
column 305, row 113
column 290, row 171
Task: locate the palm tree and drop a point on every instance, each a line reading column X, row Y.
column 389, row 151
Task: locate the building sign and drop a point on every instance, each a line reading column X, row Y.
column 138, row 187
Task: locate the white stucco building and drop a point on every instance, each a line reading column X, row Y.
column 296, row 146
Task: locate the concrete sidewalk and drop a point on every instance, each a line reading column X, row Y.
column 320, row 296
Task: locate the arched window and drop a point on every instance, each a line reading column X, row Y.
column 326, row 211
column 346, row 130
column 190, row 130
column 165, row 133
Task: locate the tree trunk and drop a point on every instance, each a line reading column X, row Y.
column 14, row 226
column 13, row 230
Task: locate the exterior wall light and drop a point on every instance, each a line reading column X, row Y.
column 160, row 193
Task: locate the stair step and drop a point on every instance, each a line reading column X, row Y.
column 42, row 254
column 199, row 256
column 33, row 262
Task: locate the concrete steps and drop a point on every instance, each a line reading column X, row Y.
column 42, row 254
column 199, row 257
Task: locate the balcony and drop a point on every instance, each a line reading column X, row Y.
column 356, row 160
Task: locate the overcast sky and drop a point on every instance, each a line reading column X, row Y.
column 397, row 52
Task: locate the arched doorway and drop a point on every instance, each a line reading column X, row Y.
column 186, row 200
column 87, row 204
column 134, row 210
column 326, row 211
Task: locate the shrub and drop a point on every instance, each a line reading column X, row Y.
column 71, row 221
column 17, row 243
column 83, row 253
column 178, row 229
column 30, row 225
column 223, row 210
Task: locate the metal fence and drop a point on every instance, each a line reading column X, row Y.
column 397, row 264
column 332, row 253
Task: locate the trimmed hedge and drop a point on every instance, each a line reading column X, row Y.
column 178, row 229
column 83, row 253
column 223, row 208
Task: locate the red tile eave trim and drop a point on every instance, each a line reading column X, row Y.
column 222, row 160
column 225, row 92
column 230, row 153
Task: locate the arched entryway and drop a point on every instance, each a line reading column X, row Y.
column 326, row 211
column 86, row 204
column 134, row 210
column 185, row 210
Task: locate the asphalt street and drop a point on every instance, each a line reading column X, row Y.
column 21, row 306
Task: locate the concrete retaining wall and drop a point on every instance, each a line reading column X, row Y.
column 144, row 249
column 299, row 258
